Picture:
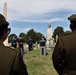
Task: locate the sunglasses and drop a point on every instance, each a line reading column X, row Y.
column 8, row 30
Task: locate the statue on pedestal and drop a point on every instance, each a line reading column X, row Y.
column 49, row 39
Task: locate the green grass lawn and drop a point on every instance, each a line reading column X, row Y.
column 39, row 65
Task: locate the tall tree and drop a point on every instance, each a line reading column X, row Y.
column 58, row 31
column 35, row 36
column 23, row 35
column 10, row 36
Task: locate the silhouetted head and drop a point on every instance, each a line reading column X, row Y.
column 72, row 19
column 4, row 30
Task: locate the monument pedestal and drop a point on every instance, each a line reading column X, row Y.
column 42, row 48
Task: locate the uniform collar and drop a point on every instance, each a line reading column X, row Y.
column 1, row 43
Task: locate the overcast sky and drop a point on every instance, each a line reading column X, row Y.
column 26, row 14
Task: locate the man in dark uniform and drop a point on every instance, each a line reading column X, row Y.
column 13, row 41
column 64, row 55
column 30, row 43
column 43, row 38
column 10, row 61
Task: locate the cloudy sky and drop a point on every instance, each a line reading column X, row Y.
column 26, row 14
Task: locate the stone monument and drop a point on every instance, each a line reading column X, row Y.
column 49, row 39
column 5, row 10
column 5, row 15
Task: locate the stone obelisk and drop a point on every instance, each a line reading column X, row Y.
column 5, row 15
column 5, row 10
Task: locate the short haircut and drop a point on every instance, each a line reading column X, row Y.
column 2, row 29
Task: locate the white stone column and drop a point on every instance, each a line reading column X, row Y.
column 56, row 38
column 49, row 35
column 5, row 15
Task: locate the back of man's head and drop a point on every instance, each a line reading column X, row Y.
column 3, row 25
column 72, row 19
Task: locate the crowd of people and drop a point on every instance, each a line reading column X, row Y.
column 18, row 43
column 63, row 57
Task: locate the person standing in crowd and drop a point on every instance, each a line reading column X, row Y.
column 30, row 43
column 13, row 42
column 64, row 55
column 43, row 38
column 10, row 61
column 20, row 43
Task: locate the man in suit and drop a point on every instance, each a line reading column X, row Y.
column 10, row 61
column 13, row 41
column 30, row 43
column 43, row 38
column 64, row 54
column 21, row 44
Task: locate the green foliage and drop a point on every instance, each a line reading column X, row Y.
column 39, row 65
column 35, row 36
column 10, row 36
column 23, row 35
column 38, row 37
column 58, row 31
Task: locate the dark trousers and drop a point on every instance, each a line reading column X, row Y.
column 30, row 47
column 21, row 48
column 14, row 45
